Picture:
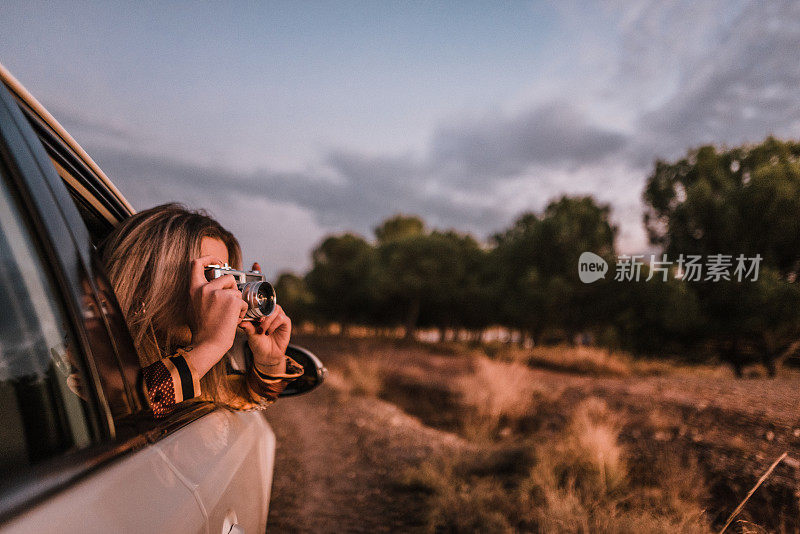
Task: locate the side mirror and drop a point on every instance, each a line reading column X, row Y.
column 314, row 372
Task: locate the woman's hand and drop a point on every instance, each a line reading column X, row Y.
column 216, row 310
column 268, row 338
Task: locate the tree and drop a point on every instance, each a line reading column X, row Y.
column 399, row 227
column 654, row 317
column 341, row 279
column 739, row 201
column 420, row 275
column 470, row 304
column 536, row 261
column 742, row 200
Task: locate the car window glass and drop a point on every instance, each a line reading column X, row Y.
column 43, row 411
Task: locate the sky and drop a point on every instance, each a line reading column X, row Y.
column 288, row 121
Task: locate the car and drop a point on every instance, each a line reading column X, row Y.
column 81, row 451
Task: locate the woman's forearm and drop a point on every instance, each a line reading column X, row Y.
column 275, row 367
column 202, row 357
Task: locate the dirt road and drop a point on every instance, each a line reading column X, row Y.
column 336, row 461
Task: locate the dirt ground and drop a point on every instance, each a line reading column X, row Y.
column 336, row 463
column 339, row 456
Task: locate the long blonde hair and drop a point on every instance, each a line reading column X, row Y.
column 148, row 261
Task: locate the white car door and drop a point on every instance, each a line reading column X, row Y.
column 140, row 493
column 227, row 458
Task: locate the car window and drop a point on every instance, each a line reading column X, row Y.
column 43, row 411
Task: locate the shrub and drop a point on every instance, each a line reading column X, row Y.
column 497, row 395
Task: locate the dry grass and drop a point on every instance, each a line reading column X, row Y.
column 358, row 375
column 572, row 473
column 593, row 438
column 465, row 492
column 592, row 361
column 577, row 483
column 497, row 395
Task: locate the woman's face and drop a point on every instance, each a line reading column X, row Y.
column 211, row 246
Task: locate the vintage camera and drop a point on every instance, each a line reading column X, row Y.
column 256, row 291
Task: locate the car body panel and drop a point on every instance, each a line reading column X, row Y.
column 142, row 493
column 228, row 458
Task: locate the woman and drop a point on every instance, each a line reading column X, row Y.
column 183, row 324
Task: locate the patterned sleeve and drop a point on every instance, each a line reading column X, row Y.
column 265, row 388
column 168, row 382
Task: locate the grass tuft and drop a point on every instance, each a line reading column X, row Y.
column 360, row 375
column 578, row 482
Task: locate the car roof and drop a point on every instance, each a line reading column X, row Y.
column 35, row 108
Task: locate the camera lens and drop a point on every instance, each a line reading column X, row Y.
column 260, row 297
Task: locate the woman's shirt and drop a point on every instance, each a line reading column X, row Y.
column 170, row 381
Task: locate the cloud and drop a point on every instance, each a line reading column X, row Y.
column 95, row 129
column 735, row 74
column 448, row 185
column 365, row 190
column 498, row 145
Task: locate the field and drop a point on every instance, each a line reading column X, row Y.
column 459, row 438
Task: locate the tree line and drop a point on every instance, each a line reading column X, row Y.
column 725, row 202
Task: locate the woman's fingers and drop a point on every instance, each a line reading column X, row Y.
column 271, row 318
column 223, row 282
column 281, row 321
column 198, row 277
column 249, row 327
column 267, row 324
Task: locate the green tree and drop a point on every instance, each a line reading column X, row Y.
column 536, row 262
column 470, row 305
column 739, row 201
column 399, row 227
column 420, row 275
column 654, row 317
column 341, row 279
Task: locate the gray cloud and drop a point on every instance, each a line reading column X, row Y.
column 738, row 84
column 93, row 128
column 553, row 133
column 448, row 187
column 367, row 190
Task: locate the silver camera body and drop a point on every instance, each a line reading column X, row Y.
column 256, row 291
